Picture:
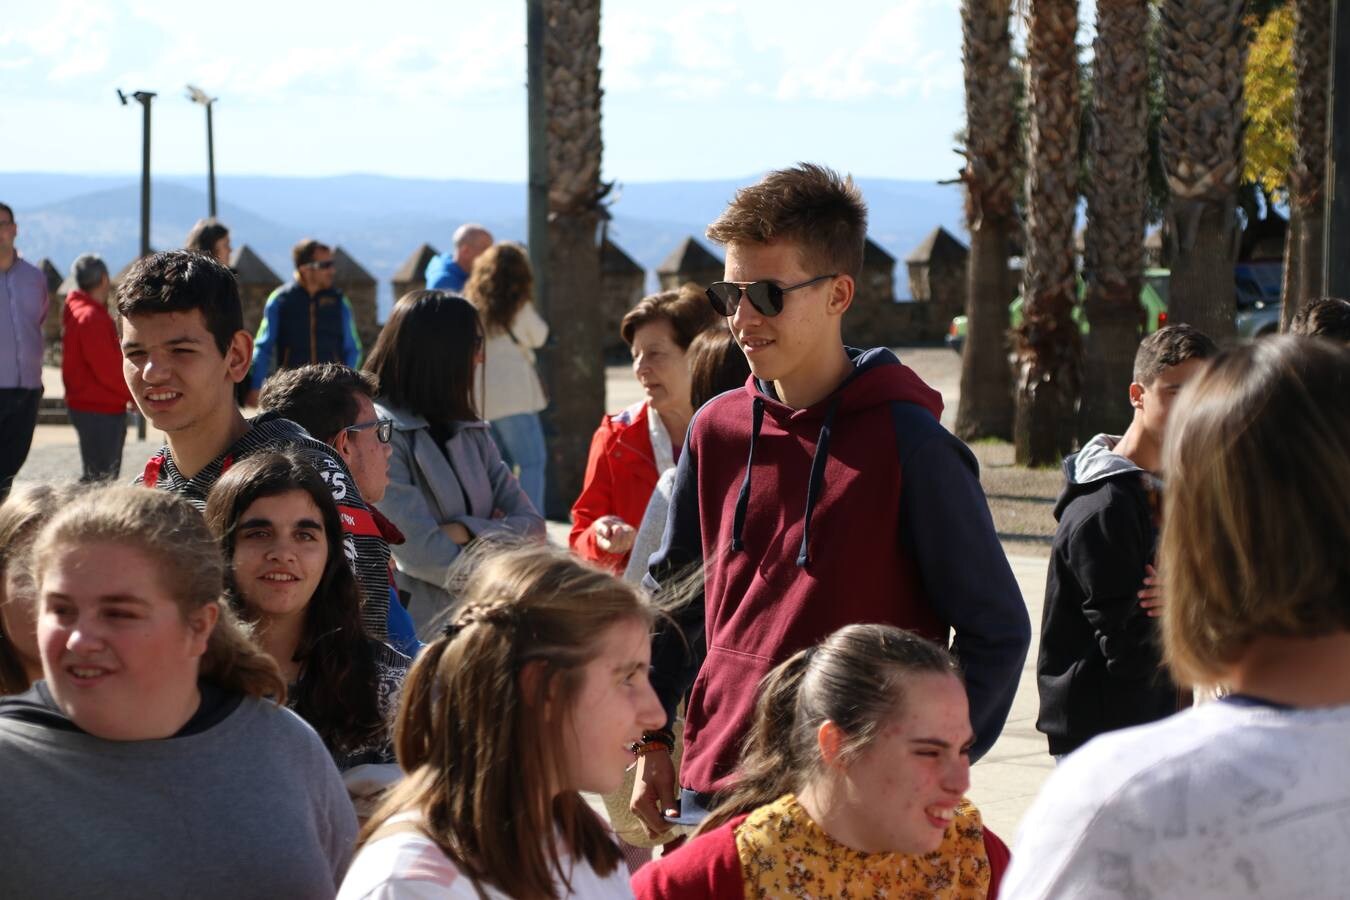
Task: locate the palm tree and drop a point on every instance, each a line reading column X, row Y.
column 1307, row 182
column 1203, row 54
column 570, row 280
column 986, row 408
column 1117, row 196
column 1047, row 343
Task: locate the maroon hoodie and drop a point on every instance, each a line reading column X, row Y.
column 860, row 508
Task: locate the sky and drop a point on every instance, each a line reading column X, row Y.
column 436, row 88
column 701, row 89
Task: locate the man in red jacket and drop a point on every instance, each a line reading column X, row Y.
column 91, row 368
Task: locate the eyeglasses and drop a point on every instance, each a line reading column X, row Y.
column 384, row 429
column 321, row 264
column 765, row 296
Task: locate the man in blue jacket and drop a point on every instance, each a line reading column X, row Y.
column 450, row 272
column 306, row 321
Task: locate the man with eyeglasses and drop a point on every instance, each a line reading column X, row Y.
column 335, row 404
column 23, row 308
column 306, row 321
column 822, row 494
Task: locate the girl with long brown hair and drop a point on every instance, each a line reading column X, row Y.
column 536, row 692
column 288, row 576
column 153, row 759
column 501, row 287
column 852, row 778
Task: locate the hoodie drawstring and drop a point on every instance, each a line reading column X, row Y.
column 743, row 500
column 817, row 476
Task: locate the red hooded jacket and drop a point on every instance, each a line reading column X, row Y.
column 91, row 358
column 861, row 508
column 620, row 477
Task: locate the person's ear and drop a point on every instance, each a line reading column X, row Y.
column 239, row 356
column 830, row 740
column 201, row 622
column 536, row 688
column 842, row 290
column 1137, row 395
column 342, row 443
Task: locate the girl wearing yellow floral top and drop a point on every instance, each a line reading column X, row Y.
column 851, row 784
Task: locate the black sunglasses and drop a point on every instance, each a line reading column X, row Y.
column 765, row 296
column 384, row 429
column 323, row 264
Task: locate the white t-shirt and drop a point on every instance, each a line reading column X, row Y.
column 1224, row 800
column 409, row 866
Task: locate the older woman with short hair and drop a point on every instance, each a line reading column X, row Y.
column 633, row 447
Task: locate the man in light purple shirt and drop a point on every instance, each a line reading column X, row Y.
column 23, row 306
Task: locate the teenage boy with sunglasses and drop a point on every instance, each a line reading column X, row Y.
column 184, row 350
column 306, row 321
column 823, row 493
column 335, row 404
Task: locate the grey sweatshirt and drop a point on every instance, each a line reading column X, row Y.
column 251, row 807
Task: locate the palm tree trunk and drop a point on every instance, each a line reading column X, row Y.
column 1114, row 243
column 574, row 361
column 986, row 405
column 1047, row 343
column 1307, row 182
column 1203, row 58
column 1291, row 281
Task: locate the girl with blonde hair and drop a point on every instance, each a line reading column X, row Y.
column 154, row 759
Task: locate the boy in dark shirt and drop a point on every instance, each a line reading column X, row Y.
column 821, row 494
column 1100, row 662
column 184, row 349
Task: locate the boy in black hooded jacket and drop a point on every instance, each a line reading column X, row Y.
column 1100, row 666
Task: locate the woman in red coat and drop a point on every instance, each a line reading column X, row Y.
column 631, row 449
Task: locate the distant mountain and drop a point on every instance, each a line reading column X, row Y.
column 380, row 220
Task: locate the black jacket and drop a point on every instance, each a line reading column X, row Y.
column 1100, row 665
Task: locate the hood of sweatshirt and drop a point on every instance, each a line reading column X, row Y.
column 1095, row 463
column 878, row 378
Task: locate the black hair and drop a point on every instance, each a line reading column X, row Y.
column 320, row 398
column 336, row 693
column 181, row 281
column 424, row 357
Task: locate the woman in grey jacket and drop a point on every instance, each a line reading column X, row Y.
column 448, row 485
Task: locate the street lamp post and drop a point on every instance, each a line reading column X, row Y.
column 197, row 95
column 143, row 98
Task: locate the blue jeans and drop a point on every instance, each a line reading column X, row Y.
column 521, row 440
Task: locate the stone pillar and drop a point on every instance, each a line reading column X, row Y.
column 256, row 280
column 359, row 287
column 622, row 283
column 690, row 261
column 412, row 275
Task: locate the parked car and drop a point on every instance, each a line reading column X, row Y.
column 1258, row 299
column 1152, row 310
column 1257, row 286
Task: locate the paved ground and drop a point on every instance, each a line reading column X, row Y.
column 1006, row 780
